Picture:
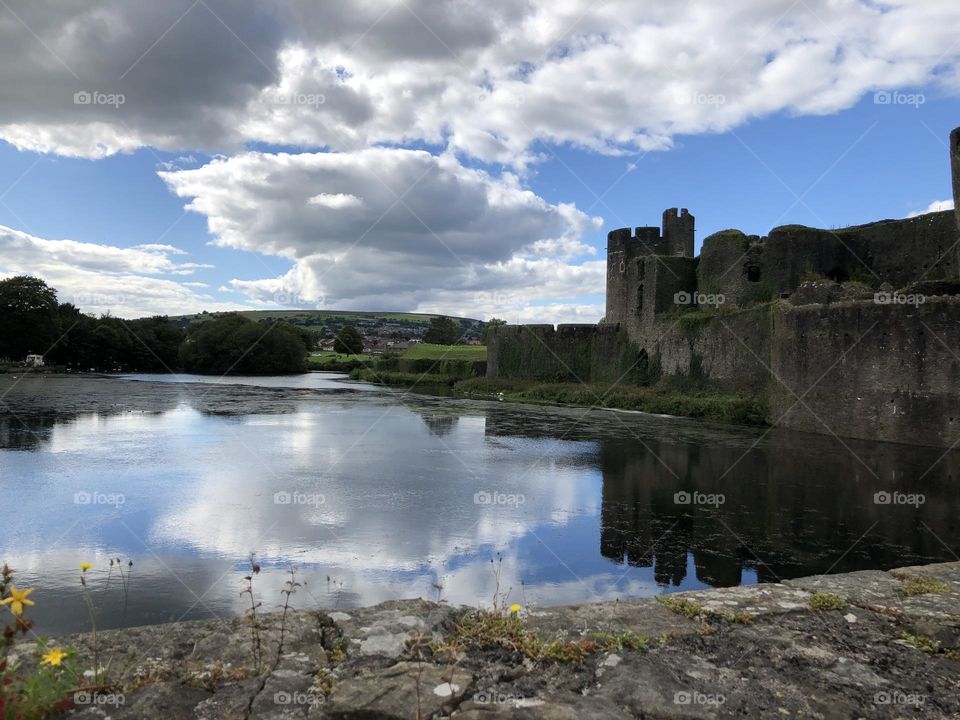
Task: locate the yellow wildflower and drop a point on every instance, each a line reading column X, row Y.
column 515, row 609
column 54, row 656
column 17, row 599
column 85, row 566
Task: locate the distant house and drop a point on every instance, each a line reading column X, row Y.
column 34, row 361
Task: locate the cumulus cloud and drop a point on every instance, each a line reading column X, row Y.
column 489, row 79
column 387, row 228
column 99, row 279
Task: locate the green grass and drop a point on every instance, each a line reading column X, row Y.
column 336, row 361
column 426, row 351
column 483, row 629
column 328, row 356
column 923, row 585
column 706, row 404
column 681, row 606
column 821, row 601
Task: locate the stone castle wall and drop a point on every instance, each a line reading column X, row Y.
column 896, row 252
column 567, row 353
column 832, row 360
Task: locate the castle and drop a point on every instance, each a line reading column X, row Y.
column 850, row 332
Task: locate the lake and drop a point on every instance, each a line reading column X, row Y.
column 376, row 494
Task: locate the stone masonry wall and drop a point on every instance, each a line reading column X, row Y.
column 897, row 252
column 869, row 371
column 567, row 353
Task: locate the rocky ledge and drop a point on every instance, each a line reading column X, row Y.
column 860, row 645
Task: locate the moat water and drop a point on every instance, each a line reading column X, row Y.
column 376, row 494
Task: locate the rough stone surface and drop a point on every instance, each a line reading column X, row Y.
column 752, row 651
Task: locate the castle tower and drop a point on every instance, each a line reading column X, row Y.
column 678, row 230
column 621, row 253
column 955, row 164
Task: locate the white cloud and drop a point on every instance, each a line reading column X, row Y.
column 103, row 278
column 429, row 234
column 489, row 79
column 935, row 206
column 335, row 201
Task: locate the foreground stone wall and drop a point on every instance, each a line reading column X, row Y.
column 869, row 644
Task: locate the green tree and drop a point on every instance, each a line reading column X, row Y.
column 231, row 343
column 29, row 321
column 443, row 331
column 348, row 341
column 489, row 327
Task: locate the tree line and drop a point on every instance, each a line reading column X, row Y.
column 33, row 321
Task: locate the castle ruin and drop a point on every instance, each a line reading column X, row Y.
column 852, row 332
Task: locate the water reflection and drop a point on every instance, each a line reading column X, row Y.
column 375, row 496
column 794, row 506
column 440, row 425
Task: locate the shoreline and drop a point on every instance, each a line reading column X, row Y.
column 872, row 644
column 698, row 404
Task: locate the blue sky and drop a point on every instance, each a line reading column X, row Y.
column 794, row 112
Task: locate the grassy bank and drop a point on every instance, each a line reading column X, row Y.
column 664, row 399
column 336, row 362
column 698, row 403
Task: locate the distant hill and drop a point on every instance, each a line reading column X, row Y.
column 329, row 322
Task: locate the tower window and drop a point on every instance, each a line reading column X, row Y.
column 753, row 273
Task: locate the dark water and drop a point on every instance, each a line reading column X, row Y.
column 375, row 495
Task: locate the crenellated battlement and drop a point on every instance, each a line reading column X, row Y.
column 625, row 246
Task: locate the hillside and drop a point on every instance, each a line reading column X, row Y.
column 328, row 323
